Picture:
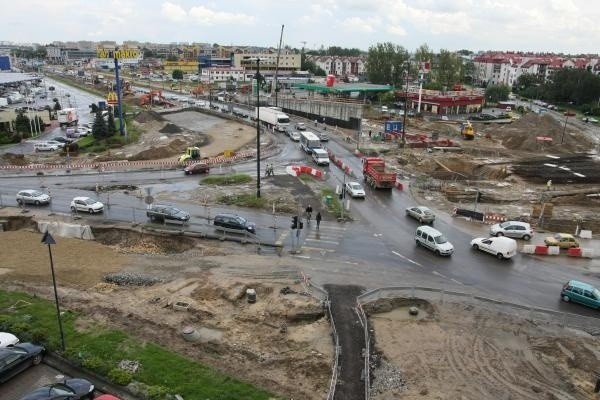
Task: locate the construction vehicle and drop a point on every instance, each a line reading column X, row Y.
column 153, row 97
column 200, row 89
column 191, row 153
column 375, row 174
column 467, row 131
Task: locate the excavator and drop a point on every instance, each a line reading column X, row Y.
column 191, row 153
column 467, row 131
column 153, row 97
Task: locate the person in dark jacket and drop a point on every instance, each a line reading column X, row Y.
column 318, row 219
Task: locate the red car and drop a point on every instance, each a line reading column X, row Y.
column 196, row 168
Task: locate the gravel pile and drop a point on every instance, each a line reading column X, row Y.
column 129, row 279
column 387, row 377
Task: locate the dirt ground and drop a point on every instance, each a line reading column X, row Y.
column 457, row 351
column 281, row 343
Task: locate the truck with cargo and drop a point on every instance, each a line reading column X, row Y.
column 376, row 175
column 309, row 141
column 273, row 118
column 67, row 117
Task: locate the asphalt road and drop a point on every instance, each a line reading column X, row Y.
column 377, row 249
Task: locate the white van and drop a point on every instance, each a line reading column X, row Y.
column 501, row 247
column 433, row 240
column 320, row 157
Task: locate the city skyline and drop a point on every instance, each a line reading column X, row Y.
column 537, row 26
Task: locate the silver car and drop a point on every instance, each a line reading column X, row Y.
column 31, row 196
column 515, row 229
column 422, row 214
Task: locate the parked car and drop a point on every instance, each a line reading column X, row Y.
column 83, row 131
column 32, row 196
column 71, row 389
column 582, row 293
column 562, row 240
column 433, row 240
column 43, row 146
column 197, row 168
column 86, row 204
column 233, row 221
column 63, row 140
column 514, row 229
column 164, row 213
column 501, row 247
column 8, row 339
column 55, row 143
column 355, row 189
column 16, row 359
column 422, row 214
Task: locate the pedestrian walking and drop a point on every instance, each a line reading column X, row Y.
column 309, row 211
column 318, row 219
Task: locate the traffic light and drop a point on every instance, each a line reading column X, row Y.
column 295, row 222
column 300, row 225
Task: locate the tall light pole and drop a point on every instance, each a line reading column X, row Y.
column 567, row 115
column 405, row 102
column 257, row 77
column 47, row 239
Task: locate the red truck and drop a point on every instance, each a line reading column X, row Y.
column 375, row 175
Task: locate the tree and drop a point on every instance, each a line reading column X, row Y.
column 308, row 65
column 99, row 129
column 448, row 68
column 177, row 74
column 386, row 63
column 496, row 93
column 171, row 58
column 112, row 129
column 22, row 125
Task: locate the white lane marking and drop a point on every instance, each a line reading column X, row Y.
column 455, row 281
column 321, row 241
column 317, row 249
column 305, row 257
column 438, row 274
column 407, row 259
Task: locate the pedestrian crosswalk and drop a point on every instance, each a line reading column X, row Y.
column 322, row 241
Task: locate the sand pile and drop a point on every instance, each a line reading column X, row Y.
column 148, row 116
column 522, row 134
column 174, row 148
column 171, row 128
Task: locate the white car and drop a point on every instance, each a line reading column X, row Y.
column 83, row 131
column 31, row 196
column 501, row 247
column 8, row 339
column 355, row 189
column 43, row 146
column 422, row 214
column 295, row 136
column 86, row 204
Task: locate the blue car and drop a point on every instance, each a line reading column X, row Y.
column 580, row 292
column 17, row 358
column 71, row 389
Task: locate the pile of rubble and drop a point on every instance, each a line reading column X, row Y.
column 131, row 279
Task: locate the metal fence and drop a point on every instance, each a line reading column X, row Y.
column 537, row 314
column 321, row 294
column 367, row 354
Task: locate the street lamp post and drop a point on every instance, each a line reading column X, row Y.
column 567, row 115
column 257, row 127
column 48, row 240
column 405, row 103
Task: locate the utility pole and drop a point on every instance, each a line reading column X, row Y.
column 257, row 127
column 277, row 65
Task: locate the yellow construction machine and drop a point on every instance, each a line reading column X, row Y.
column 467, row 131
column 191, row 153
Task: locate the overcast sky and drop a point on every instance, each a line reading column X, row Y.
column 568, row 26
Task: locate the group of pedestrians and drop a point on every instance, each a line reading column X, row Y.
column 318, row 217
column 269, row 171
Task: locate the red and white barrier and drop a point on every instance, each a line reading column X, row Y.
column 493, row 218
column 296, row 170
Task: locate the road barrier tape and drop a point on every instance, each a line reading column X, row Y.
column 125, row 163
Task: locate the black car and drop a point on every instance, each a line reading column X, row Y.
column 64, row 140
column 71, row 389
column 163, row 213
column 17, row 358
column 233, row 221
